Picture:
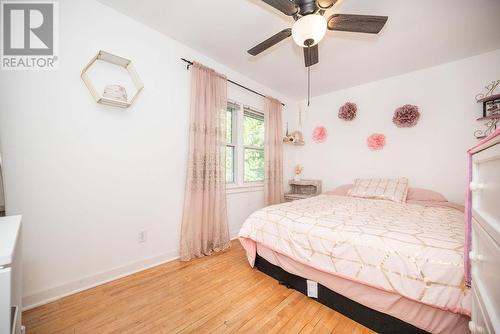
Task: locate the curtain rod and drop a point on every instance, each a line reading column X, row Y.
column 190, row 63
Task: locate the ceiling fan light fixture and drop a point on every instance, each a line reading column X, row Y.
column 309, row 27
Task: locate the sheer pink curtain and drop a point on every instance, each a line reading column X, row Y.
column 204, row 222
column 273, row 152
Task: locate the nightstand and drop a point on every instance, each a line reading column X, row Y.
column 303, row 189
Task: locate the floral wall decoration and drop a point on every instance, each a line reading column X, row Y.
column 348, row 111
column 376, row 141
column 320, row 134
column 406, row 116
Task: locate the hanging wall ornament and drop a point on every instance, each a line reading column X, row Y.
column 348, row 111
column 376, row 141
column 320, row 134
column 406, row 116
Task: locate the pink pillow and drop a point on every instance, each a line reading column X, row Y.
column 420, row 194
column 340, row 190
column 414, row 194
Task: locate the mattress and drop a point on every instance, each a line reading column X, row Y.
column 405, row 260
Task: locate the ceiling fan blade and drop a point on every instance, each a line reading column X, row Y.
column 287, row 7
column 311, row 55
column 325, row 4
column 357, row 23
column 285, row 33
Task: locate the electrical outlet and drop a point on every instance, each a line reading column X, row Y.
column 142, row 237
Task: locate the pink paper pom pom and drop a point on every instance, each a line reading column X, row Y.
column 320, row 134
column 406, row 116
column 348, row 111
column 376, row 141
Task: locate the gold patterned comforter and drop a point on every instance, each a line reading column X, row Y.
column 410, row 249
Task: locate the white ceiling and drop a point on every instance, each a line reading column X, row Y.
column 419, row 34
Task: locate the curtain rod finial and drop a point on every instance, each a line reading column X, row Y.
column 189, row 63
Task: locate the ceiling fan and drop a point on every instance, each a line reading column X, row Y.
column 310, row 25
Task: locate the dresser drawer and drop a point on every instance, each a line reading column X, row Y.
column 485, row 188
column 485, row 258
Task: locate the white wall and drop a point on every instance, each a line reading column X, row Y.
column 432, row 154
column 2, row 198
column 86, row 177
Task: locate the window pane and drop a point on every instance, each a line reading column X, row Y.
column 253, row 130
column 229, row 126
column 229, row 164
column 254, row 165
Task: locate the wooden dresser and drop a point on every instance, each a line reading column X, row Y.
column 485, row 249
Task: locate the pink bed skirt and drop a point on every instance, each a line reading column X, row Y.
column 423, row 316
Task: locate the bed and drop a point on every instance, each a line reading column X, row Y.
column 398, row 266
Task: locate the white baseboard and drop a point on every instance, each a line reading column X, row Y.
column 66, row 289
column 63, row 290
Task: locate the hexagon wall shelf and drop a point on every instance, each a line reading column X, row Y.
column 119, row 61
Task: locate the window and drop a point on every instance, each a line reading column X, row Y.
column 253, row 141
column 244, row 145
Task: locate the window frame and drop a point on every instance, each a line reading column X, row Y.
column 239, row 185
column 234, row 138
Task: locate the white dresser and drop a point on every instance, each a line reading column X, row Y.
column 10, row 275
column 485, row 251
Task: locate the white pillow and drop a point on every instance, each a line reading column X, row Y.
column 394, row 190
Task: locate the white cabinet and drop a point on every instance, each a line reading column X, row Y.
column 485, row 251
column 10, row 275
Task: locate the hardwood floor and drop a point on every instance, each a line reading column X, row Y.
column 215, row 294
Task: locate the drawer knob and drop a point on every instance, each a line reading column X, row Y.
column 475, row 186
column 476, row 257
column 475, row 329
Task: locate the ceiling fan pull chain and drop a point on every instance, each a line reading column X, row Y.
column 309, row 78
column 308, row 86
